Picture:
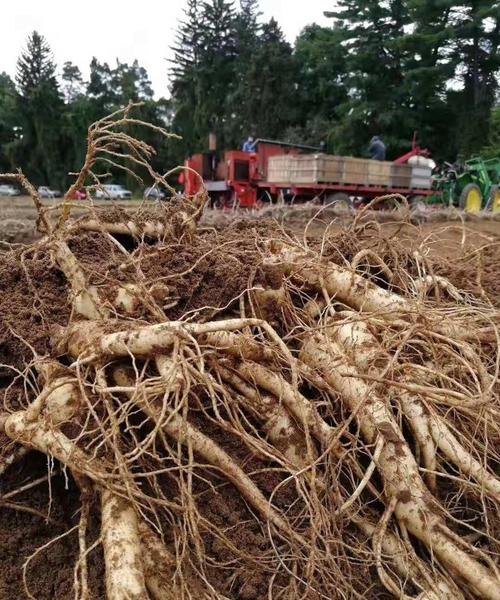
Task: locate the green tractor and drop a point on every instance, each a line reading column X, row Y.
column 473, row 186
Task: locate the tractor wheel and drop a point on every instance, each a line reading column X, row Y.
column 494, row 202
column 340, row 202
column 471, row 198
column 418, row 203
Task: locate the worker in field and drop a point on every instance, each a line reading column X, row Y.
column 376, row 148
column 249, row 145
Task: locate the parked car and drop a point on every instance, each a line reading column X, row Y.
column 113, row 192
column 9, row 190
column 46, row 192
column 153, row 193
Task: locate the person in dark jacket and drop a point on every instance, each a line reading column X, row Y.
column 376, row 148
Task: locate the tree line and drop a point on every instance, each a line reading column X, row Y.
column 379, row 68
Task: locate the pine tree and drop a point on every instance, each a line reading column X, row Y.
column 248, row 30
column 203, row 73
column 72, row 82
column 184, row 74
column 40, row 106
column 271, row 79
column 35, row 66
column 8, row 120
column 100, row 87
column 131, row 83
column 188, row 41
column 475, row 48
column 428, row 68
column 216, row 71
column 492, row 148
column 375, row 63
column 321, row 83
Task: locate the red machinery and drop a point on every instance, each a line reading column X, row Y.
column 240, row 178
column 416, row 150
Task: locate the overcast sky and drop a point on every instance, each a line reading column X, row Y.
column 110, row 29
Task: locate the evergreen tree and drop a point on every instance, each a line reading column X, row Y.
column 100, row 88
column 39, row 104
column 204, row 73
column 131, row 83
column 216, row 72
column 475, row 41
column 428, row 68
column 492, row 148
column 321, row 84
column 375, row 61
column 242, row 95
column 271, row 79
column 184, row 74
column 8, row 119
column 35, row 66
column 72, row 82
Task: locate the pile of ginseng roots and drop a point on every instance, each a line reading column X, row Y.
column 247, row 415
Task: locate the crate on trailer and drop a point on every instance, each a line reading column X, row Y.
column 355, row 171
column 421, row 177
column 278, row 168
column 316, row 168
column 401, row 176
column 379, row 173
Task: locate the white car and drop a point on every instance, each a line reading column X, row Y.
column 153, row 193
column 46, row 192
column 8, row 190
column 113, row 192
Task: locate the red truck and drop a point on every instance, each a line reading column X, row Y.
column 241, row 178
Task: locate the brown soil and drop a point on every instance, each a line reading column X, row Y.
column 49, row 574
column 33, row 299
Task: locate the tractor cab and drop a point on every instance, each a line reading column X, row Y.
column 234, row 180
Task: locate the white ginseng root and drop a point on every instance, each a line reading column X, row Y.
column 123, row 554
column 341, row 284
column 302, row 409
column 89, row 338
column 125, row 575
column 282, row 431
column 429, row 429
column 397, row 466
column 408, row 566
column 182, row 431
column 86, row 301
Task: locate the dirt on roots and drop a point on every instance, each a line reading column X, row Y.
column 200, row 277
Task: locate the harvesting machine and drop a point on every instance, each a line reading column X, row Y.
column 299, row 172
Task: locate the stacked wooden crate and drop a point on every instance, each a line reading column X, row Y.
column 355, row 171
column 316, row 168
column 401, row 176
column 323, row 168
column 278, row 168
column 379, row 173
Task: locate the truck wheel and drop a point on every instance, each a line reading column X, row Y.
column 340, row 202
column 418, row 203
column 471, row 198
column 494, row 202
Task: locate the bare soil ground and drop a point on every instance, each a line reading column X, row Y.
column 464, row 251
column 18, row 216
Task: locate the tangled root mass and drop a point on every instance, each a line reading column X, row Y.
column 243, row 414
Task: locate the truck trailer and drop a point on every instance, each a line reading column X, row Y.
column 298, row 172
